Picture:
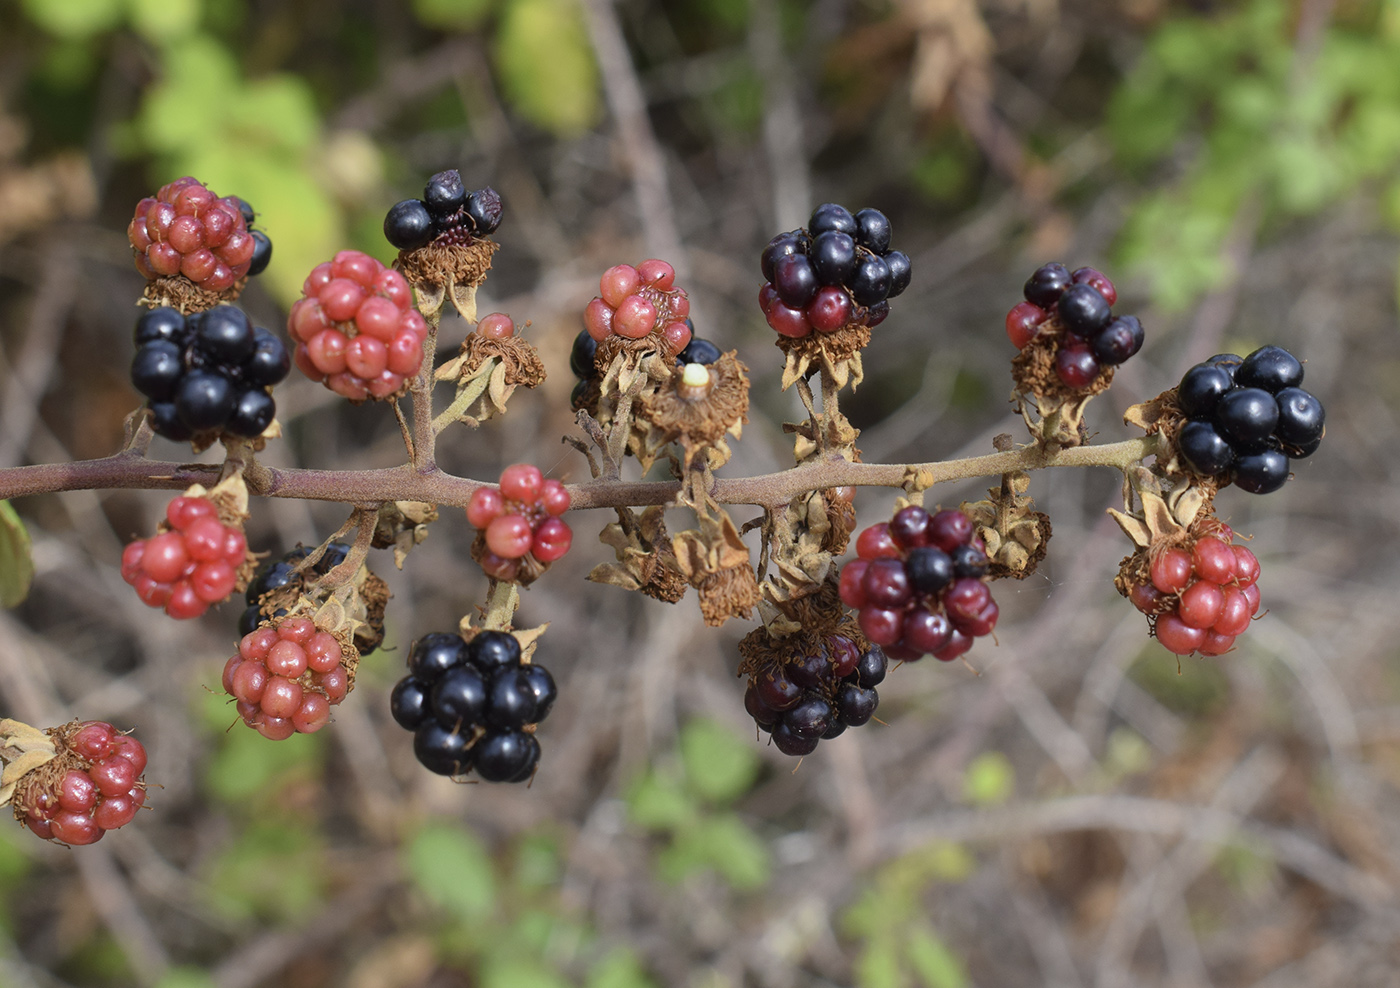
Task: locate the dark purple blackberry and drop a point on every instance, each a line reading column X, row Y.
column 1305, row 450
column 776, row 690
column 837, row 728
column 1261, row 473
column 870, row 671
column 886, row 584
column 164, row 323
column 929, row 569
column 203, row 400
column 909, row 526
column 253, row 411
column 460, row 698
column 796, row 280
column 1047, row 284
column 505, row 756
column 1201, row 388
column 165, row 421
column 543, row 686
column 1204, row 449
column 511, row 702
column 408, row 703
column 1083, row 310
column 262, row 253
column 494, row 651
column 245, row 210
column 530, row 762
column 969, row 561
column 434, row 654
column 809, row 671
column 1228, row 362
column 1246, row 418
column 484, row 208
column 790, row 743
column 441, row 750
column 783, row 245
column 876, row 314
column 698, row 351
column 764, row 716
column 833, row 257
column 408, row 225
column 444, row 194
column 831, row 216
column 873, row 230
column 900, row 271
column 1119, row 340
column 248, row 621
column 270, row 361
column 156, row 369
column 581, row 356
column 855, row 706
column 870, row 283
column 1271, row 368
column 809, row 717
column 925, row 632
column 1300, row 417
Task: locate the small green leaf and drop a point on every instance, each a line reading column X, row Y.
column 722, row 843
column 546, row 64
column 719, row 766
column 450, row 866
column 165, row 21
column 878, row 964
column 657, row 802
column 518, row 972
column 74, row 18
column 990, row 780
column 619, row 969
column 249, row 765
column 16, row 557
column 537, row 862
column 933, row 962
column 186, row 977
column 272, row 871
column 452, row 15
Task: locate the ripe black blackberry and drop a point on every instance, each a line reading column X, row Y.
column 473, row 705
column 447, row 214
column 207, row 374
column 1089, row 337
column 839, row 271
column 1247, row 417
column 814, row 696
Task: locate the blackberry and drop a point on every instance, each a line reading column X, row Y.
column 543, row 686
column 969, row 561
column 1261, row 473
column 1271, row 368
column 156, row 369
column 444, row 194
column 776, row 689
column 270, row 361
column 1083, row 310
column 408, row 703
column 790, row 743
column 458, row 699
column 1300, row 417
column 506, row 756
column 900, row 271
column 408, row 225
column 1201, row 388
column 1047, row 284
column 1118, row 341
column 783, row 245
column 856, row 705
column 441, row 750
column 581, row 356
column 492, row 651
column 873, row 230
column 434, row 654
column 871, row 282
column 226, row 335
column 796, row 280
column 163, row 323
column 929, row 569
column 876, row 313
column 512, row 700
column 1246, row 417
column 1204, row 449
column 833, row 257
column 870, row 671
column 698, row 351
column 484, row 208
column 1228, row 362
column 245, row 210
column 262, row 253
column 204, row 400
column 831, row 216
column 252, row 413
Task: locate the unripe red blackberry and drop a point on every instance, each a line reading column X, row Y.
column 520, row 531
column 187, row 230
column 286, row 677
column 194, row 560
column 88, row 778
column 641, row 302
column 1068, row 319
column 356, row 329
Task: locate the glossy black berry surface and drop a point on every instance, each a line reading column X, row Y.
column 163, row 323
column 459, row 697
column 494, row 650
column 1246, row 418
column 1271, row 368
column 262, row 253
column 1120, row 339
column 504, row 756
column 581, row 356
column 1047, row 284
column 698, row 351
column 871, row 282
column 408, row 225
column 408, row 703
column 485, row 209
column 833, row 257
column 873, row 230
column 900, row 271
column 444, row 194
column 1083, row 311
column 434, row 654
column 1300, row 417
column 832, row 216
column 1261, row 473
column 796, row 280
column 1204, row 449
column 1201, row 388
column 157, row 368
column 441, row 750
column 512, row 700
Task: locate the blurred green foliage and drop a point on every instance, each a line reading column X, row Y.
column 16, row 557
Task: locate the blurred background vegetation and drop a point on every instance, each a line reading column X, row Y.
column 1085, row 812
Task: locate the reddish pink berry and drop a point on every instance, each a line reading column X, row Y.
column 555, row 497
column 830, row 309
column 485, row 506
column 1177, row 636
column 597, row 319
column 552, row 540
column 1201, row 604
column 876, row 542
column 788, row 321
column 496, row 326
column 522, row 482
column 634, row 318
column 617, row 283
column 1171, row 570
column 1023, row 323
column 509, row 536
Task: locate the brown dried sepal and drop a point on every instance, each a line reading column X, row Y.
column 24, row 750
column 1176, row 516
column 646, row 560
column 487, row 372
column 835, row 432
column 1016, row 535
column 1162, row 416
column 804, row 630
column 357, row 605
column 1054, row 412
column 820, row 612
column 178, row 292
column 715, row 561
column 838, row 354
column 402, row 524
column 815, row 527
column 439, row 272
column 665, row 415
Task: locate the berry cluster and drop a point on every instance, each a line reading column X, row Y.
column 1200, row 596
column 837, row 271
column 920, row 584
column 636, row 302
column 101, row 791
column 447, row 214
column 816, row 696
column 191, row 565
column 207, row 374
column 287, row 677
column 188, row 230
column 520, row 518
column 1247, row 417
column 356, row 329
column 1093, row 337
column 471, row 705
column 278, row 573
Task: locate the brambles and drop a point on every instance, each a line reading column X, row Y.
column 356, row 329
column 207, row 375
column 919, row 584
column 85, row 778
column 474, row 705
column 187, row 231
column 519, row 531
column 286, row 677
column 447, row 214
column 1069, row 316
column 635, row 303
column 1246, row 418
column 194, row 562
